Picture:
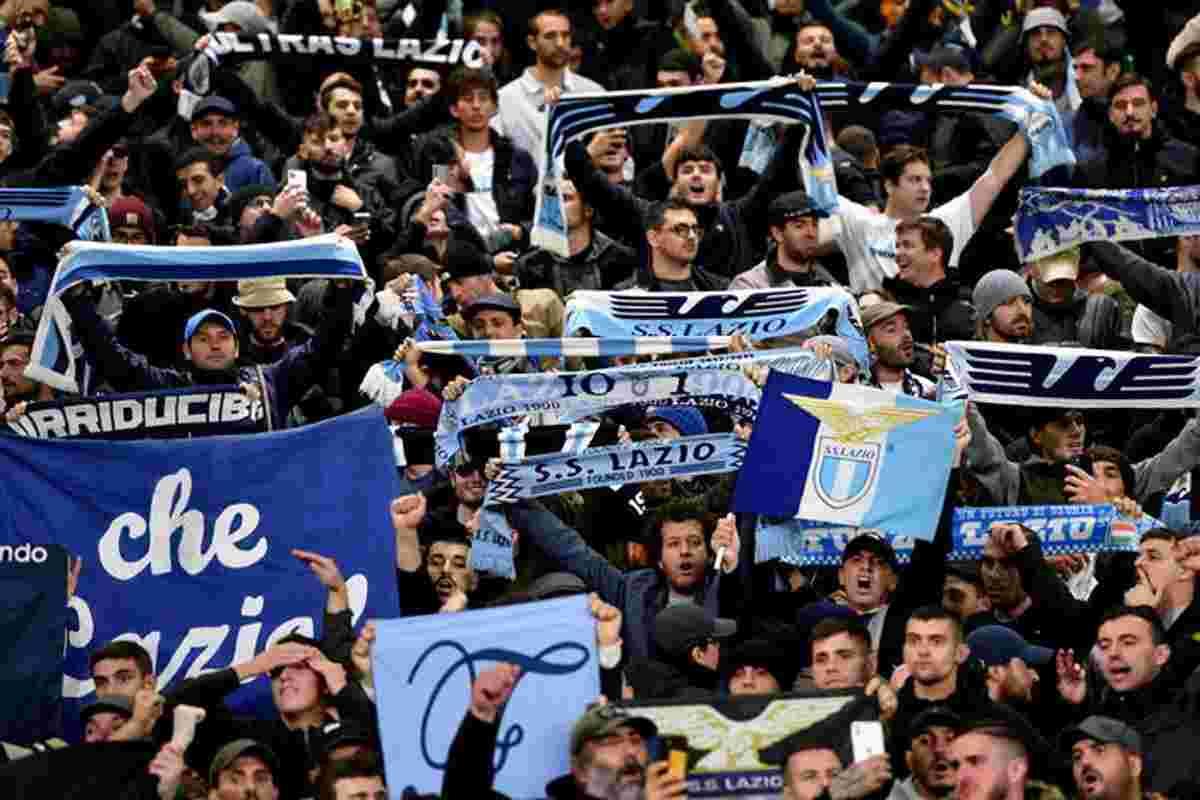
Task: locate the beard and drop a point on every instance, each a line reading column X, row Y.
column 605, row 783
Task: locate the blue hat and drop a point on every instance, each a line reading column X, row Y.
column 687, row 420
column 997, row 645
column 214, row 104
column 201, row 317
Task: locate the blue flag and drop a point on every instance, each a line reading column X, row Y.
column 186, row 544
column 848, row 454
column 424, row 668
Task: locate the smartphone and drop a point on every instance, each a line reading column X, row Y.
column 298, row 177
column 867, row 740
column 362, row 226
column 675, row 749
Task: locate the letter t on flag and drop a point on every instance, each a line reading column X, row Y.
column 848, row 454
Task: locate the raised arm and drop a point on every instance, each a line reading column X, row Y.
column 1172, row 295
column 991, row 183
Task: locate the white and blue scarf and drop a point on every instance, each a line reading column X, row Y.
column 1049, row 221
column 576, row 347
column 55, row 351
column 69, row 206
column 1062, row 529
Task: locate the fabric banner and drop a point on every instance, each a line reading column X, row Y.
column 777, row 99
column 1062, row 529
column 33, row 617
column 69, row 206
column 801, row 542
column 754, row 313
column 186, row 543
column 424, row 667
column 619, row 464
column 339, row 52
column 571, row 396
column 847, row 454
column 780, row 99
column 730, row 740
column 578, row 347
column 1049, row 221
column 1069, row 377
column 162, row 414
column 55, row 352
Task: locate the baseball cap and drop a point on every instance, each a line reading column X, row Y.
column 1038, row 416
column 1102, row 729
column 214, row 104
column 200, row 317
column 235, row 750
column 791, row 205
column 130, row 212
column 684, row 625
column 556, row 584
column 1058, row 267
column 115, row 704
column 465, row 260
column 955, row 58
column 333, row 735
column 934, row 716
column 600, row 721
column 871, row 543
column 1044, row 18
column 874, row 314
column 74, row 95
column 494, row 302
column 999, row 644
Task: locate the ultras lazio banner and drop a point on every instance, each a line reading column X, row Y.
column 186, row 544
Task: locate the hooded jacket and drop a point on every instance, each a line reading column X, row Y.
column 1093, row 320
column 243, row 169
column 941, row 312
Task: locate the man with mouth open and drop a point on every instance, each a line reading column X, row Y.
column 1106, row 759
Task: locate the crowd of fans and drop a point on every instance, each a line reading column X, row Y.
column 1015, row 676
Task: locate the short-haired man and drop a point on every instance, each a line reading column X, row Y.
column 673, row 234
column 1106, row 759
column 927, row 756
column 470, row 275
column 1166, row 585
column 1097, row 64
column 216, row 125
column 963, row 593
column 359, row 778
column 842, row 655
column 443, row 580
column 893, row 352
column 991, row 760
column 202, row 190
column 792, row 226
column 522, row 103
column 868, row 238
column 15, row 350
column 815, row 51
column 812, row 770
column 1003, row 308
column 939, row 310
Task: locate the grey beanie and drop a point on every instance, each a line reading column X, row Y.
column 995, row 289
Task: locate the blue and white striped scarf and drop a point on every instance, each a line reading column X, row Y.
column 55, row 351
column 577, row 347
column 68, row 206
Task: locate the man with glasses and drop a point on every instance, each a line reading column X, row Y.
column 131, row 221
column 673, row 234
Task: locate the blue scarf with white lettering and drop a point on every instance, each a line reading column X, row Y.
column 55, row 352
column 1063, row 530
column 1049, row 221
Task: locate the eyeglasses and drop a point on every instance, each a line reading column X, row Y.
column 683, row 230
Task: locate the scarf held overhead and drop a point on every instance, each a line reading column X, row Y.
column 1062, row 529
column 69, row 206
column 55, row 352
column 1061, row 377
column 754, row 313
column 1049, row 221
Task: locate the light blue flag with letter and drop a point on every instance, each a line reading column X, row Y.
column 424, row 668
column 848, row 454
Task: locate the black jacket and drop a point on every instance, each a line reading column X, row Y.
column 1093, row 320
column 941, row 312
column 1174, row 296
column 601, row 266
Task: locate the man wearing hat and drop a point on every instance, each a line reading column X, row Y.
column 1003, row 308
column 215, row 125
column 131, row 221
column 244, row 770
column 265, row 304
column 1106, row 759
column 792, row 226
column 470, row 277
column 759, row 666
column 104, row 717
column 927, row 757
column 245, row 17
column 1044, row 34
column 893, row 352
column 1063, row 312
column 687, row 642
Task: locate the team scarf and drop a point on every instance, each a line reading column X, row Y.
column 780, row 99
column 69, row 206
column 1049, row 221
column 804, row 542
column 1063, row 530
column 56, row 354
column 577, row 347
column 1062, row 377
column 754, row 313
column 572, row 396
column 163, row 414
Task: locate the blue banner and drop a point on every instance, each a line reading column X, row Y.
column 1051, row 220
column 1062, row 529
column 1069, row 377
column 162, row 414
column 186, row 543
column 424, row 668
column 754, row 313
column 801, row 542
column 848, row 454
column 33, row 617
column 571, row 396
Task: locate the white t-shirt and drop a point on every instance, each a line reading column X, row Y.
column 1150, row 328
column 868, row 238
column 481, row 204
